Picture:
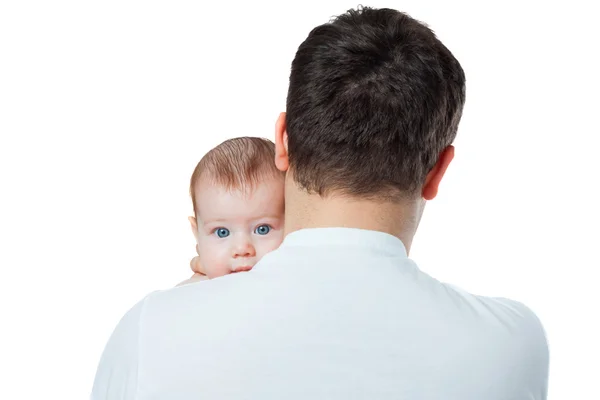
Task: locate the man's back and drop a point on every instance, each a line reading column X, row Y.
column 334, row 313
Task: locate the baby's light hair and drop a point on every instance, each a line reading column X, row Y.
column 236, row 164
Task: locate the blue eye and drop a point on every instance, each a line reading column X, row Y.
column 222, row 232
column 262, row 229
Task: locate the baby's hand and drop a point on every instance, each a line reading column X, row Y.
column 195, row 264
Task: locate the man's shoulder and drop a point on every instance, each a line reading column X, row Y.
column 504, row 330
column 521, row 320
column 510, row 324
column 194, row 297
column 499, row 309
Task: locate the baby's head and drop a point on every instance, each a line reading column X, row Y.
column 238, row 198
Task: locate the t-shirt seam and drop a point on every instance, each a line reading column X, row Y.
column 139, row 346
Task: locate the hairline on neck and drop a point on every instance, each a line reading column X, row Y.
column 399, row 218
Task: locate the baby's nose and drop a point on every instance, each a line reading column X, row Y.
column 244, row 248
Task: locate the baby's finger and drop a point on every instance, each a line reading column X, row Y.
column 196, row 266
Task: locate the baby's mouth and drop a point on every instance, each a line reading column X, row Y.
column 242, row 268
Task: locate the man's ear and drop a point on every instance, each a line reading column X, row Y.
column 194, row 226
column 282, row 161
column 432, row 182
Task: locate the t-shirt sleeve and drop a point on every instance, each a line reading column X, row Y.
column 117, row 373
column 533, row 353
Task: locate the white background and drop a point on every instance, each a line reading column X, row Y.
column 107, row 106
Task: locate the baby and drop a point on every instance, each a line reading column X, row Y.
column 238, row 198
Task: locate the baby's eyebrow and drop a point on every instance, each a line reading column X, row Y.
column 268, row 217
column 213, row 221
column 249, row 219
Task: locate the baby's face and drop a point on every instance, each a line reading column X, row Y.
column 234, row 229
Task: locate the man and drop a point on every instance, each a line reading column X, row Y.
column 339, row 311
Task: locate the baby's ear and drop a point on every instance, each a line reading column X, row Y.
column 194, row 226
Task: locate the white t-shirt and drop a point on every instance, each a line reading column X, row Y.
column 334, row 313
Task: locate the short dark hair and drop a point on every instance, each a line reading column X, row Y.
column 374, row 97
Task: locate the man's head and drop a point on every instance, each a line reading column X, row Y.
column 373, row 106
column 237, row 194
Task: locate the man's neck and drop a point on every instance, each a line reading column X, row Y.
column 304, row 210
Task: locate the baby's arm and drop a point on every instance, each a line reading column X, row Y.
column 194, row 278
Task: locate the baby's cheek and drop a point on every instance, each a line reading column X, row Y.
column 269, row 245
column 277, row 240
column 214, row 259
